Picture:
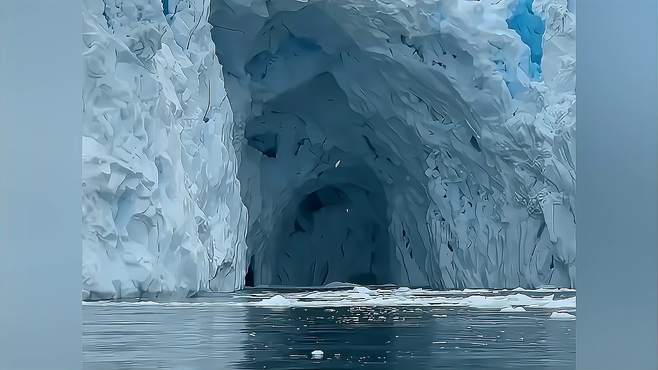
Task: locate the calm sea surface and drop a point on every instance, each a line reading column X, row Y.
column 235, row 331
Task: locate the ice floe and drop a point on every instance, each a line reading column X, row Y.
column 562, row 316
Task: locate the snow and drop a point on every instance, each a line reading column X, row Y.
column 424, row 145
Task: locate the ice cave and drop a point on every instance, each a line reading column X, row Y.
column 421, row 143
column 319, row 184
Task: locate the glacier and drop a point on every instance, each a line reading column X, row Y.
column 301, row 142
column 162, row 213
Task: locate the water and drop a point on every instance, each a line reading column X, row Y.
column 416, row 330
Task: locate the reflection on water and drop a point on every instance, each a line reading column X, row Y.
column 222, row 332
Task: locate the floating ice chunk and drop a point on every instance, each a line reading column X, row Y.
column 475, row 291
column 317, row 354
column 524, row 300
column 478, row 301
column 362, row 289
column 361, row 292
column 277, row 300
column 562, row 316
column 561, row 303
column 403, row 291
column 513, row 309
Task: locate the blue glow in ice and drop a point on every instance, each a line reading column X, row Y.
column 531, row 29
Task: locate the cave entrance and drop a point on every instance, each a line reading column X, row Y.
column 315, row 86
column 312, row 177
column 327, row 194
column 330, row 233
column 249, row 277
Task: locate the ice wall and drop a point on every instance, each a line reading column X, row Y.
column 463, row 111
column 447, row 129
column 161, row 211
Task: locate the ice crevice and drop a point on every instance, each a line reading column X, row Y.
column 288, row 142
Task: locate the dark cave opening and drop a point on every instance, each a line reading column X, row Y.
column 328, row 195
column 337, row 232
column 331, row 229
column 249, row 277
column 317, row 183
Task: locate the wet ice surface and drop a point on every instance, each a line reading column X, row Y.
column 354, row 328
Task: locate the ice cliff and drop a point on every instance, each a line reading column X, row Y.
column 417, row 142
column 161, row 203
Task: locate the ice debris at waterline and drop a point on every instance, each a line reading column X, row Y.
column 497, row 300
column 421, row 143
column 493, row 300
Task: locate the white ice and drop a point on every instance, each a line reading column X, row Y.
column 362, row 296
column 562, row 316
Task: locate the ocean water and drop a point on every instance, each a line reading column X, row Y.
column 355, row 328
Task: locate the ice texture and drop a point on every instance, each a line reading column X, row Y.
column 415, row 142
column 162, row 213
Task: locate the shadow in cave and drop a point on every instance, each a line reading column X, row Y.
column 321, row 186
column 249, row 277
column 330, row 232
